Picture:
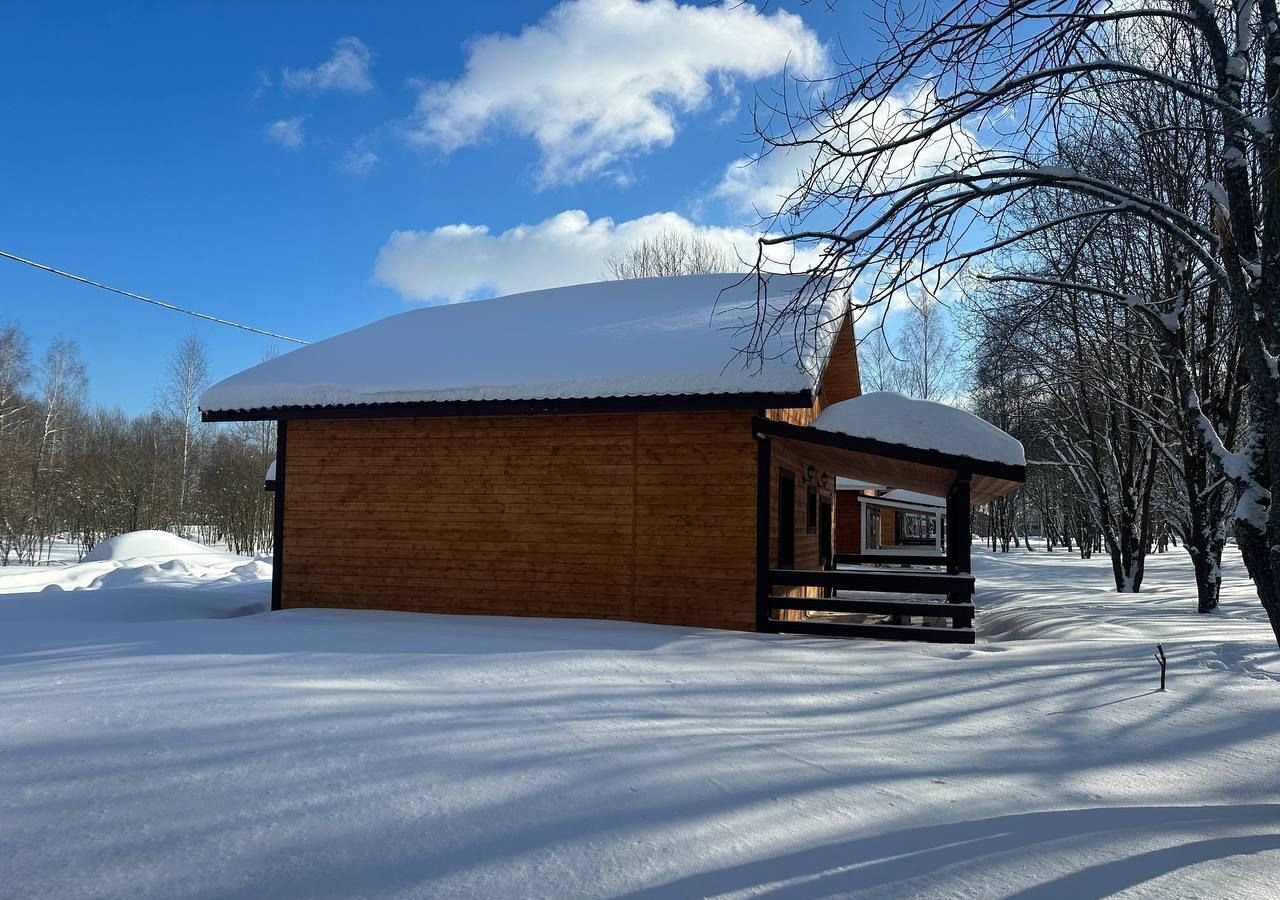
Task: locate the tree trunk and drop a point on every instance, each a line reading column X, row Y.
column 1208, row 569
column 1263, row 563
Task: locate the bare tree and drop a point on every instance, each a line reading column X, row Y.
column 926, row 348
column 178, row 401
column 15, row 372
column 62, row 383
column 233, row 505
column 1128, row 495
column 917, row 358
column 14, row 365
column 922, row 155
column 670, row 253
column 880, row 367
column 80, row 475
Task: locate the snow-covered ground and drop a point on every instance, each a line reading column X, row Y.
column 159, row 738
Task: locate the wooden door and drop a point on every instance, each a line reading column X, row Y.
column 826, row 539
column 786, row 519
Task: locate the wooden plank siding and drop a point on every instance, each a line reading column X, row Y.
column 848, row 521
column 840, row 382
column 645, row 516
column 807, row 550
column 888, row 527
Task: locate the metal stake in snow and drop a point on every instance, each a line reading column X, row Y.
column 1160, row 658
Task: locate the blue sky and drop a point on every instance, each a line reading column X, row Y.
column 254, row 160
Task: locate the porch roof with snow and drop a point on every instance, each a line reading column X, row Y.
column 657, row 342
column 916, row 445
column 854, row 484
column 910, row 498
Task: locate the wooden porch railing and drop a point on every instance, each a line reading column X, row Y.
column 958, row 605
column 889, row 559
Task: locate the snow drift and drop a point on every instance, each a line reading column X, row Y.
column 143, row 576
column 149, row 545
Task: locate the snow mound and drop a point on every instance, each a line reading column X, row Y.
column 640, row 337
column 923, row 424
column 148, row 545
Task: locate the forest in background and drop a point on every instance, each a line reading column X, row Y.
column 81, row 473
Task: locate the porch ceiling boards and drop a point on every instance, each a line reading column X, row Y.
column 927, row 471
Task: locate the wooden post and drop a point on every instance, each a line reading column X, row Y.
column 277, row 523
column 764, row 472
column 959, row 537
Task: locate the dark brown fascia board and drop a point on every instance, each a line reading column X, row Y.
column 935, row 458
column 666, row 403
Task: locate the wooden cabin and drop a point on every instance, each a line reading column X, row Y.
column 597, row 451
column 849, row 514
column 894, row 522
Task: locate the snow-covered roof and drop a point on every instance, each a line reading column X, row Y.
column 638, row 338
column 853, row 484
column 922, row 424
column 904, row 496
column 271, row 471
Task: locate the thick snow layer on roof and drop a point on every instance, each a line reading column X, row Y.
column 644, row 337
column 923, row 424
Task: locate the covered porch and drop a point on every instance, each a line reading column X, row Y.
column 905, row 595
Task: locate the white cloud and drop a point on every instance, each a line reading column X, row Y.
column 262, row 84
column 461, row 262
column 287, row 132
column 358, row 161
column 762, row 185
column 346, row 70
column 599, row 81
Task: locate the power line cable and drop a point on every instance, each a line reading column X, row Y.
column 159, row 303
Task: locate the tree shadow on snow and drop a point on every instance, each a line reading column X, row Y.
column 963, row 853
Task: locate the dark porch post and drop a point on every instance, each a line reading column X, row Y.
column 277, row 519
column 764, row 466
column 959, row 538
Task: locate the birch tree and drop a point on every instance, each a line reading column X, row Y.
column 178, row 400
column 928, row 355
column 14, row 374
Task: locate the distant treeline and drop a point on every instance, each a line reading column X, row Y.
column 68, row 471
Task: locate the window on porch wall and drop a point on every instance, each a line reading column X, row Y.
column 917, row 528
column 786, row 519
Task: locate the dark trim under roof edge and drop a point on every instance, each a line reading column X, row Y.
column 433, row 409
column 936, row 458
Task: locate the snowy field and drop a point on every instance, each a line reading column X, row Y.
column 159, row 738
